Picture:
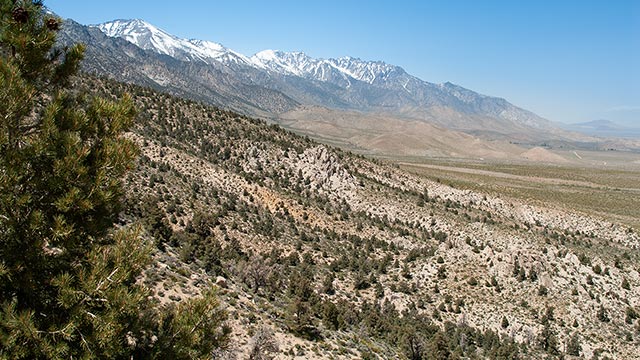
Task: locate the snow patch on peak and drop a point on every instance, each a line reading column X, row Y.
column 215, row 51
column 149, row 37
column 290, row 63
column 266, row 55
column 135, row 31
column 208, row 45
column 122, row 27
column 300, row 64
column 367, row 71
column 144, row 35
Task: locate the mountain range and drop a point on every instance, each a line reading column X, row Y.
column 271, row 83
column 605, row 128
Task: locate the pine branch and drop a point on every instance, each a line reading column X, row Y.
column 107, row 279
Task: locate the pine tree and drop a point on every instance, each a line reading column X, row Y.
column 67, row 278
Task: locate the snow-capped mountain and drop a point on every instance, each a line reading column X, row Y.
column 149, row 37
column 407, row 90
column 300, row 64
column 345, row 83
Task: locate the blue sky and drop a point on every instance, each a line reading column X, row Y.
column 568, row 61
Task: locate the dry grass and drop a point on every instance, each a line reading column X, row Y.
column 610, row 193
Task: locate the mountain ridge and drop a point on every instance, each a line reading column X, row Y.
column 214, row 84
column 344, row 83
column 150, row 37
column 605, row 128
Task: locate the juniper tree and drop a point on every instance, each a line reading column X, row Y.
column 67, row 278
column 573, row 346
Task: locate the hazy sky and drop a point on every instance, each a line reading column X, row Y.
column 568, row 61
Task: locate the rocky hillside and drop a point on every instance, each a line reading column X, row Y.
column 319, row 253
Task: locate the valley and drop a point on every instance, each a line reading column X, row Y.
column 609, row 192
